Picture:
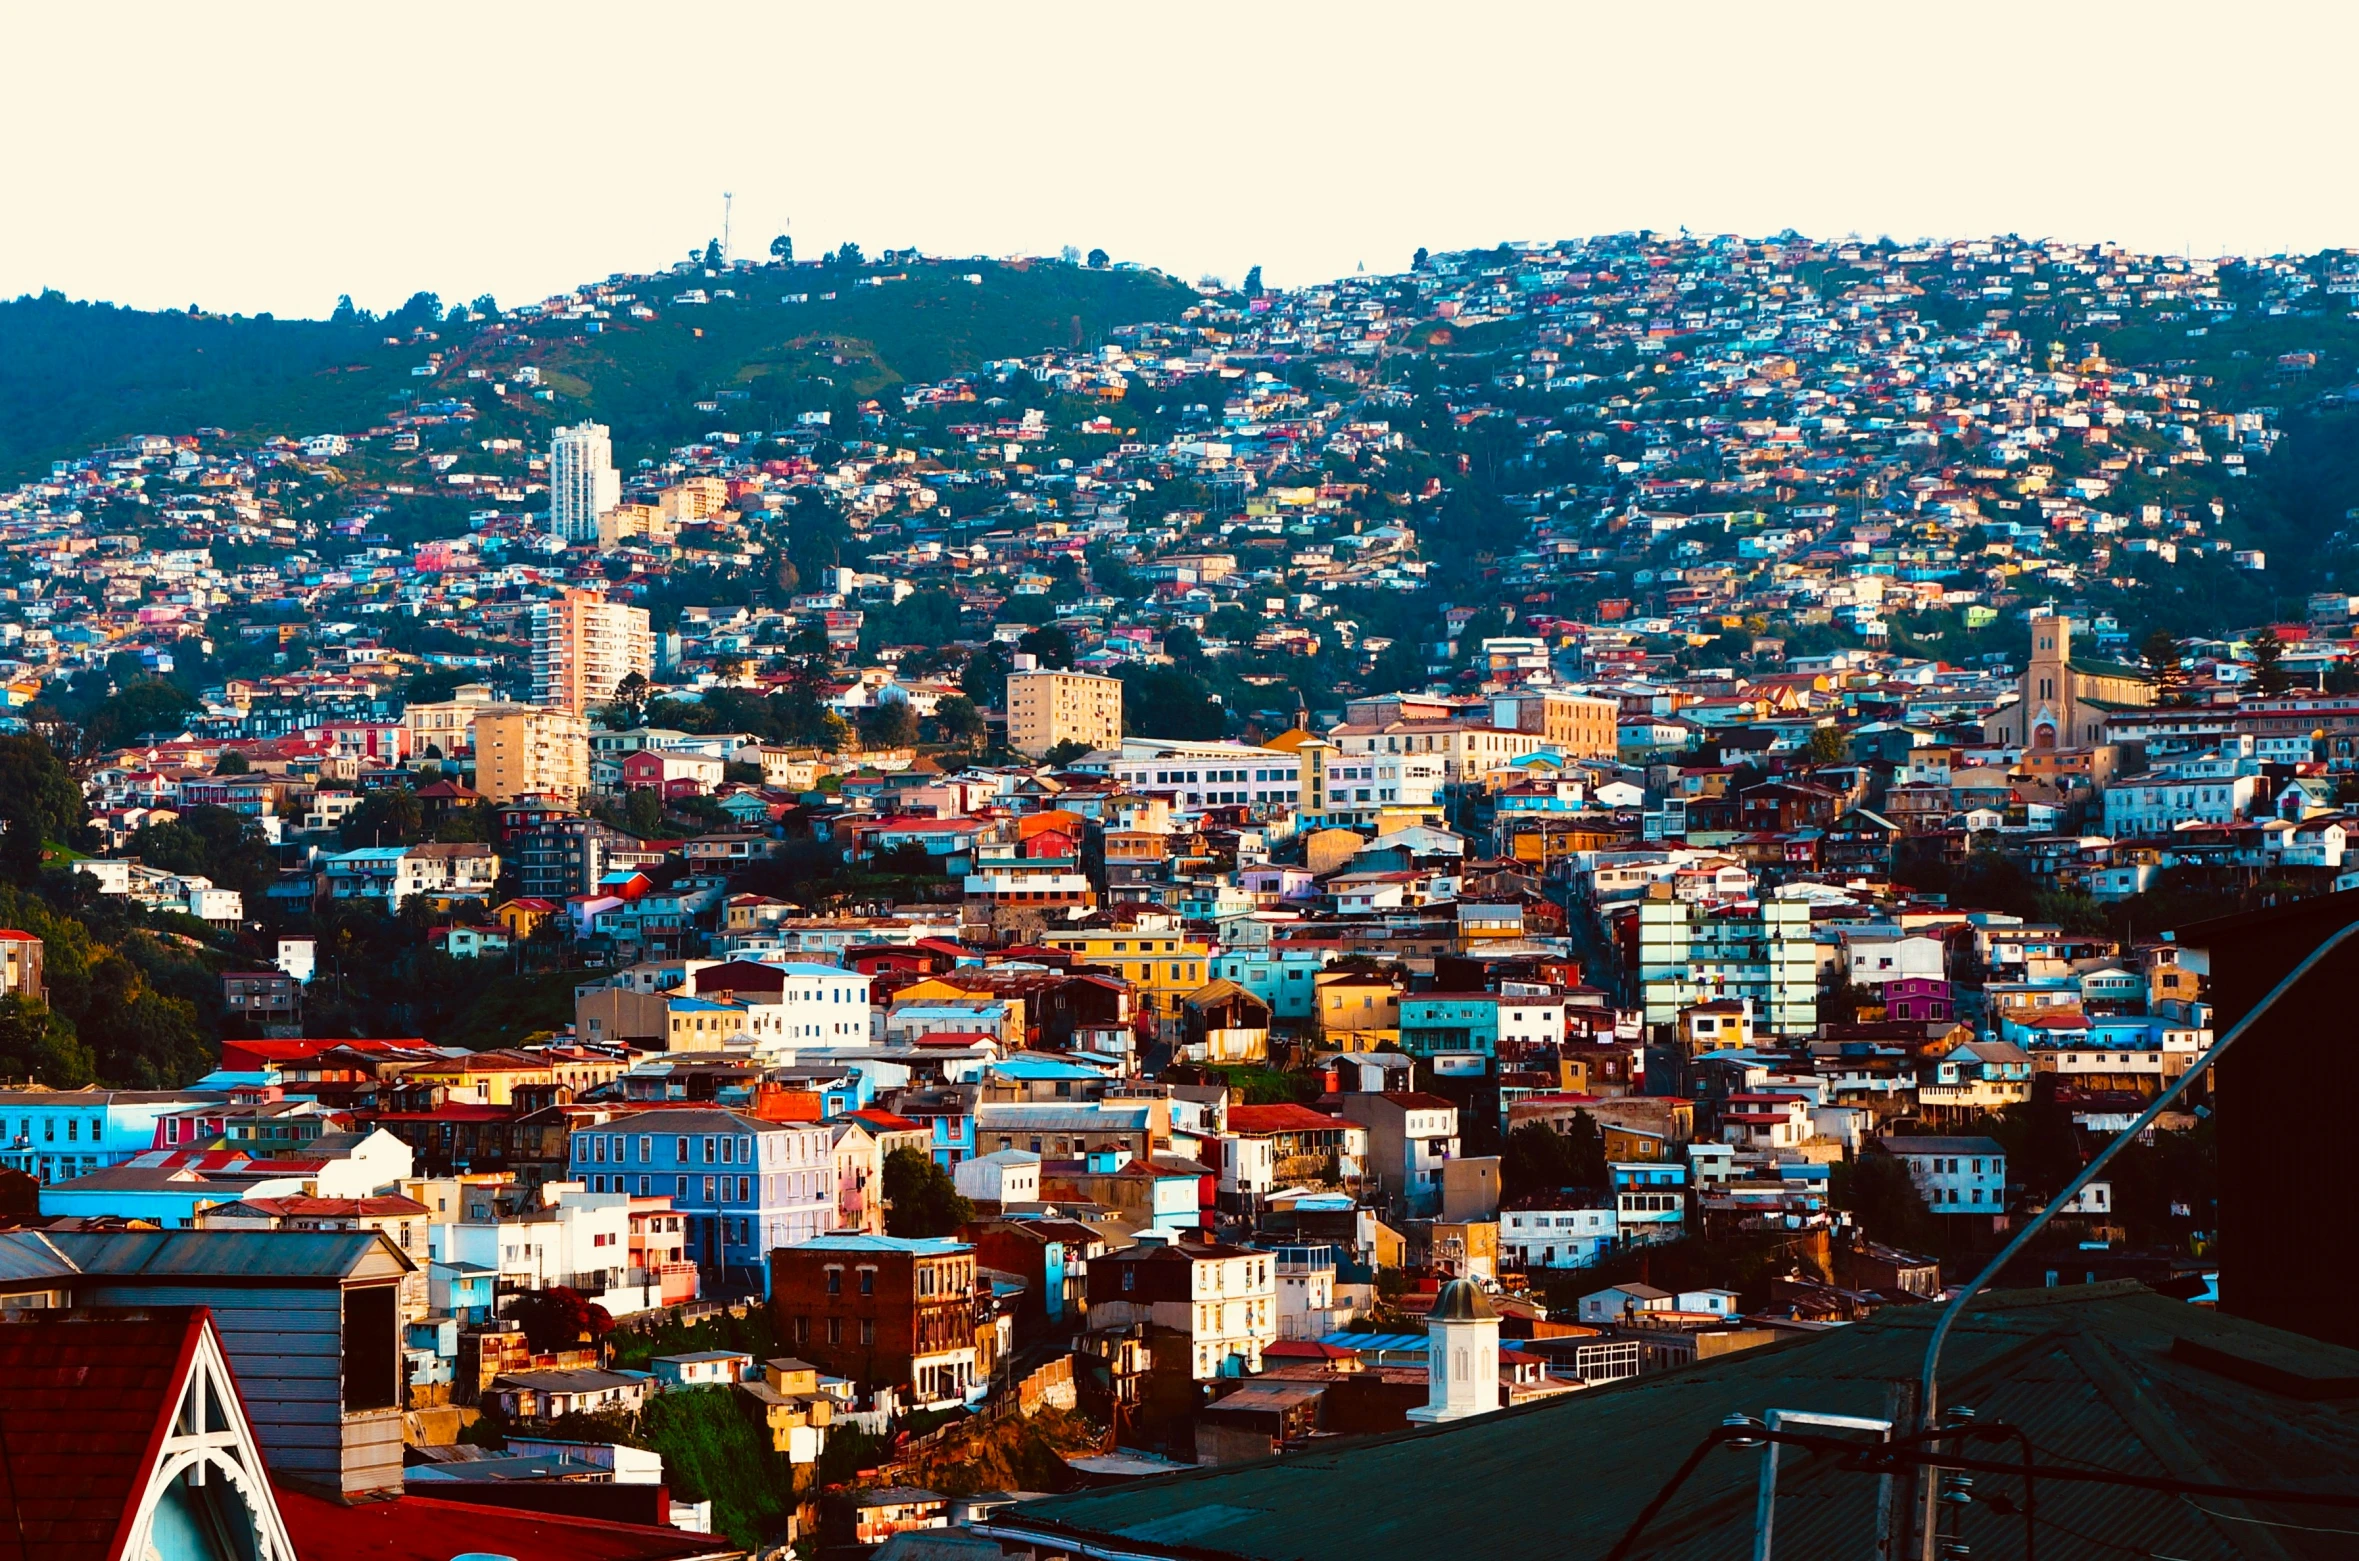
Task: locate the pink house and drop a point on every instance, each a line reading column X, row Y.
column 1920, row 998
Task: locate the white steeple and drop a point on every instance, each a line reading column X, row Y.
column 1462, row 1355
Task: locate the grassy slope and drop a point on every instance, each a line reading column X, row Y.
column 77, row 375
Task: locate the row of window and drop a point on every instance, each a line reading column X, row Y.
column 24, row 1129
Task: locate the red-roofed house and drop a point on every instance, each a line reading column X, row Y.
column 1297, row 1143
column 127, row 1439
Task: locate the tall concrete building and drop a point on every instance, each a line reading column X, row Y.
column 1048, row 708
column 521, row 749
column 583, row 645
column 1689, row 955
column 583, row 483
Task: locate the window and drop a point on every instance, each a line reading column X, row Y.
column 372, row 1348
column 680, row 1152
column 835, row 1330
column 835, row 1281
column 867, row 1330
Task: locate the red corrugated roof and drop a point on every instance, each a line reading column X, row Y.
column 86, row 1399
column 1281, row 1119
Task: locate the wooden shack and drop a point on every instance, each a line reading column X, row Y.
column 310, row 1320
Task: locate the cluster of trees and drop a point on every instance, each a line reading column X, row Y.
column 1539, row 1159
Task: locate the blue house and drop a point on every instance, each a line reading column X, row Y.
column 743, row 1185
column 56, row 1135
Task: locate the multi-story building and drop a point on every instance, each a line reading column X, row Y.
column 453, row 870
column 1578, row 725
column 1222, row 1299
column 1688, row 955
column 1153, row 954
column 557, row 858
column 1559, row 1232
column 583, row 483
column 1955, row 1175
column 1045, row 709
column 583, row 646
column 886, row 1311
column 742, row 1185
column 1204, row 774
column 56, row 1135
column 1412, row 1138
column 1468, row 750
column 445, row 728
column 1437, row 1022
column 525, row 750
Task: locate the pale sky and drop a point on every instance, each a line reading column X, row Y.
column 252, row 157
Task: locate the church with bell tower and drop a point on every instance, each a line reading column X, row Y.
column 2063, row 703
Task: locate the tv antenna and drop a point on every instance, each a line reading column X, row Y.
column 726, row 198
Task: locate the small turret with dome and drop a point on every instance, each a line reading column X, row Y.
column 1461, row 1355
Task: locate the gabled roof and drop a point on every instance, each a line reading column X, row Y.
column 88, row 1399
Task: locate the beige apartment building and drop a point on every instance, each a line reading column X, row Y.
column 1048, row 708
column 583, row 645
column 445, row 728
column 522, row 749
column 1579, row 725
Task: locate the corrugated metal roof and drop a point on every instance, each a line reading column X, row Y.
column 29, row 1255
column 223, row 1254
column 2094, row 1374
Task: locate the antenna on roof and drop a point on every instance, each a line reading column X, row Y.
column 726, row 198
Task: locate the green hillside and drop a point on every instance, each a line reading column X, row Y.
column 77, row 375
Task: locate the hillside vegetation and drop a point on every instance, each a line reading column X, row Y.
column 77, row 375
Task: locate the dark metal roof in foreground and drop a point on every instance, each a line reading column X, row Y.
column 228, row 1254
column 2098, row 1375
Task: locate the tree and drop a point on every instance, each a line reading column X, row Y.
column 961, row 722
column 39, row 1044
column 1184, row 646
column 1253, row 283
column 1066, row 752
column 643, row 812
column 559, row 1318
column 1098, row 260
column 39, row 803
column 1417, row 261
column 712, row 254
column 984, row 678
column 2161, row 653
column 1168, row 702
column 849, row 255
column 1051, row 644
column 920, row 1199
column 782, row 250
column 1827, row 745
column 1883, row 1198
column 2270, row 678
column 889, row 724
column 232, row 763
column 629, row 710
column 385, row 818
column 1540, row 1159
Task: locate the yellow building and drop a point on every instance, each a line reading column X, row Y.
column 1357, row 1010
column 1163, row 963
column 522, row 749
column 1048, row 708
